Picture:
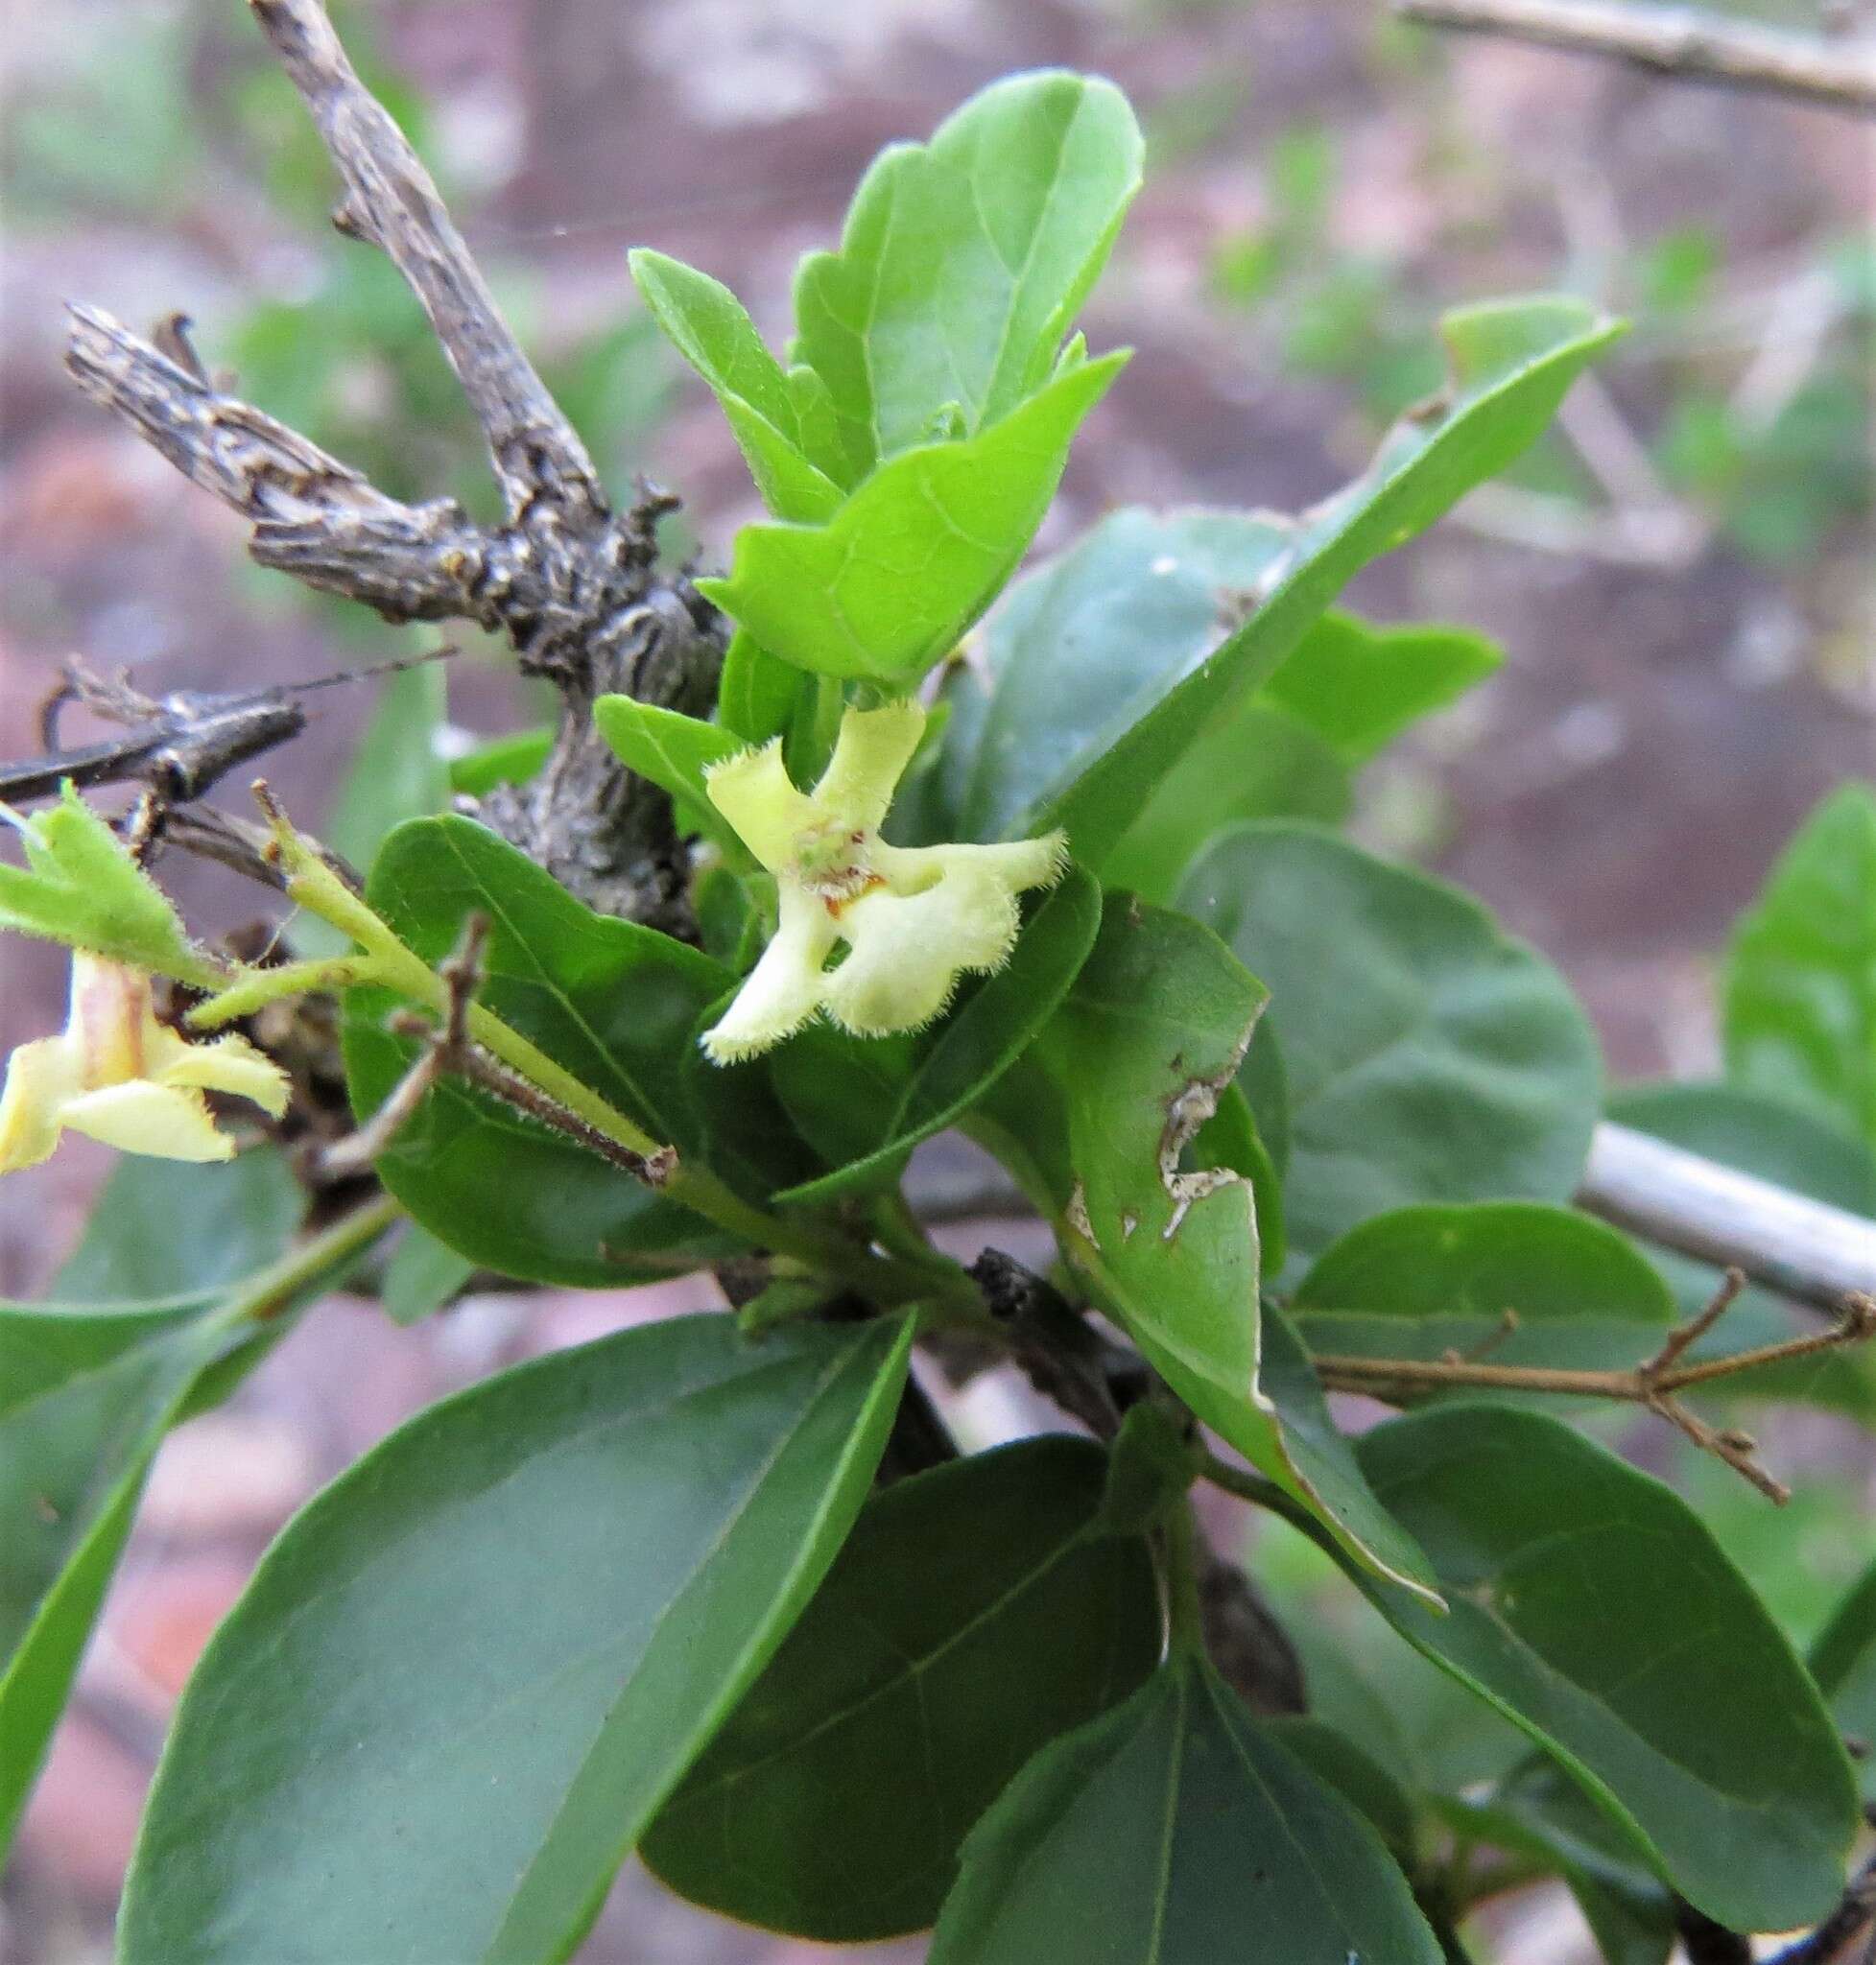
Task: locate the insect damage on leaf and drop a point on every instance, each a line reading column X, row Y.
column 1186, row 1111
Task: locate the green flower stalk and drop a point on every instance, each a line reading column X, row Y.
column 911, row 919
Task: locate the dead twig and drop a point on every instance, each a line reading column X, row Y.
column 1680, row 41
column 573, row 584
column 1653, row 1384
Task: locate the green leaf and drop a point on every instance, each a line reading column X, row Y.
column 421, row 1276
column 1430, row 1058
column 1591, row 1606
column 1512, row 363
column 1538, row 1813
column 81, row 886
column 1800, row 997
column 1081, row 648
column 1150, row 1036
column 1175, row 1831
column 963, row 261
column 1843, row 1663
column 1422, row 1282
column 465, row 1678
column 1787, row 1146
column 873, row 1102
column 614, row 1002
column 88, row 1395
column 1358, row 687
column 974, row 1614
column 84, row 1402
column 1368, row 1786
column 674, row 751
column 757, row 692
column 501, row 761
column 1261, row 762
column 713, row 332
column 915, row 554
column 164, row 1228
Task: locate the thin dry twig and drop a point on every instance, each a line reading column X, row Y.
column 1653, row 1384
column 449, row 1051
column 1680, row 41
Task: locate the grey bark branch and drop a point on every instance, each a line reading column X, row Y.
column 1681, row 41
column 392, row 202
column 573, row 586
column 1814, row 1252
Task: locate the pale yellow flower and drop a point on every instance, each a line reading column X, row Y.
column 115, row 1073
column 913, row 918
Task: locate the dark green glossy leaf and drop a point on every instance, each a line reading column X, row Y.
column 614, row 1002
column 886, row 587
column 963, row 261
column 1151, row 1035
column 421, row 1276
column 86, row 1397
column 1799, row 1000
column 1358, row 687
column 84, row 1402
column 1429, row 1057
column 1592, row 1608
column 1843, row 1663
column 164, row 1228
column 974, row 1614
column 1786, row 1144
column 1178, row 1831
column 1512, row 362
column 467, row 1675
column 501, row 761
column 874, row 1102
column 1421, row 1282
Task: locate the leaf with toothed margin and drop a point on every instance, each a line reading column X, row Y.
column 1152, row 1034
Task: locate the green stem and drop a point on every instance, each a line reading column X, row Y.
column 268, row 1293
column 1185, row 1617
column 255, row 989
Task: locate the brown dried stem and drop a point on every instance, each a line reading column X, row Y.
column 1653, row 1384
column 1685, row 42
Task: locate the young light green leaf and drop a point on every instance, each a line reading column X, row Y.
column 611, row 1001
column 757, row 694
column 1429, row 1057
column 1149, row 1038
column 1175, row 1832
column 1591, row 1606
column 713, row 332
column 976, row 1613
column 81, row 886
column 1800, row 997
column 1358, row 687
column 466, row 1677
column 1423, row 1282
column 868, row 1103
column 1843, row 1663
column 918, row 551
column 1512, row 362
column 673, row 751
column 962, row 261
